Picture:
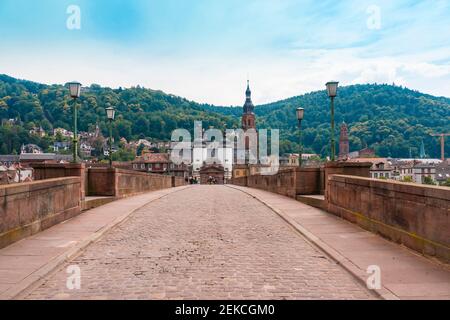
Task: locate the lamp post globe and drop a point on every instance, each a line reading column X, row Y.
column 300, row 114
column 75, row 89
column 332, row 87
column 110, row 114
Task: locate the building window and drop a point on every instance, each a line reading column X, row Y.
column 375, row 175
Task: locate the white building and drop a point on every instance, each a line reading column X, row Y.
column 381, row 170
column 63, row 132
column 405, row 172
column 202, row 155
column 416, row 172
column 420, row 171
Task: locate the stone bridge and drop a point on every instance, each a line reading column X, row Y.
column 161, row 239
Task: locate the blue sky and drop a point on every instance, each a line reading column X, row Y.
column 204, row 50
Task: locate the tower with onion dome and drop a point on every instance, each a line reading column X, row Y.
column 248, row 116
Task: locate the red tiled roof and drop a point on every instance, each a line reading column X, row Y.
column 153, row 158
column 373, row 160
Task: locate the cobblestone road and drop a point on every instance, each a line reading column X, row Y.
column 205, row 242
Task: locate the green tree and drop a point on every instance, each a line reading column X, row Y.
column 139, row 150
column 391, row 119
column 123, row 155
column 428, row 180
column 446, row 183
column 407, row 179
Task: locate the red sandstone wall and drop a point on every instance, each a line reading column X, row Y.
column 44, row 171
column 241, row 181
column 308, row 181
column 122, row 183
column 28, row 208
column 289, row 182
column 133, row 182
column 178, row 181
column 101, row 182
column 414, row 215
column 360, row 169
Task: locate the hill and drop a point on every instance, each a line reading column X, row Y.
column 141, row 112
column 389, row 118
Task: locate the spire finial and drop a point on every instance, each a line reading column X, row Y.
column 248, row 92
column 248, row 107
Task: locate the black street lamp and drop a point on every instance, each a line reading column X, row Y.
column 110, row 113
column 332, row 87
column 300, row 115
column 75, row 91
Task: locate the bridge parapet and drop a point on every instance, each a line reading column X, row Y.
column 43, row 171
column 416, row 216
column 289, row 182
column 123, row 183
column 27, row 208
column 360, row 169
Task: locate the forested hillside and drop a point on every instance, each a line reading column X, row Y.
column 141, row 113
column 389, row 118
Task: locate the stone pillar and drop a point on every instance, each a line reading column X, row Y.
column 360, row 169
column 103, row 182
column 322, row 181
column 307, row 181
column 43, row 171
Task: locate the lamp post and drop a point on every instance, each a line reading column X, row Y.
column 300, row 115
column 332, row 93
column 75, row 90
column 110, row 113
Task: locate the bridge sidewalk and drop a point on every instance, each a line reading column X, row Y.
column 25, row 262
column 404, row 274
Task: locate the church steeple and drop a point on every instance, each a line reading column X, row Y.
column 248, row 106
column 248, row 116
column 422, row 151
column 344, row 146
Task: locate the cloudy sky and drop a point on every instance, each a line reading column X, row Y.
column 204, row 50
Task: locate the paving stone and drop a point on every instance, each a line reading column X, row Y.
column 204, row 242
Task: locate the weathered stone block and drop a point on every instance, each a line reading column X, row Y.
column 414, row 215
column 28, row 208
